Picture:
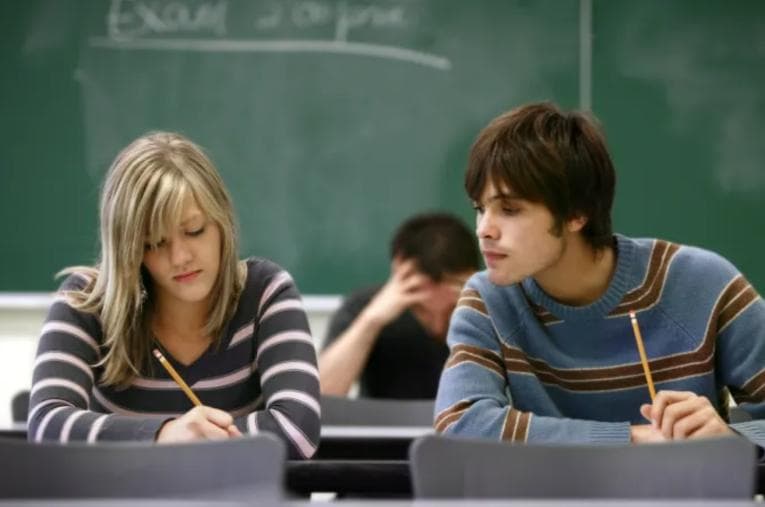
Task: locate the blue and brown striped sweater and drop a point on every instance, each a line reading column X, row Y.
column 263, row 372
column 524, row 367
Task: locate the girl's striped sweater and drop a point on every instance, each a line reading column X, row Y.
column 263, row 372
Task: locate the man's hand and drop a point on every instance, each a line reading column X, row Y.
column 199, row 423
column 680, row 414
column 645, row 434
column 405, row 288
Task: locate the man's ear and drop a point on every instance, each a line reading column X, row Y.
column 576, row 223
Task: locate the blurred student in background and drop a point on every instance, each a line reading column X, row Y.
column 391, row 338
column 169, row 278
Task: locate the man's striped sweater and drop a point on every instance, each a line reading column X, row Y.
column 263, row 373
column 526, row 368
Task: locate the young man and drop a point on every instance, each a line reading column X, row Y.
column 392, row 337
column 542, row 348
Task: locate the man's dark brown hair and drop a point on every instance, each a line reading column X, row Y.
column 440, row 243
column 548, row 156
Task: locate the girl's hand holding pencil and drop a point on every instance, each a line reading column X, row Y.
column 199, row 423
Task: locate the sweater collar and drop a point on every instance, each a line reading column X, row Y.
column 618, row 286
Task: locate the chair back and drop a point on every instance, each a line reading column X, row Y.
column 241, row 469
column 20, row 407
column 341, row 411
column 445, row 467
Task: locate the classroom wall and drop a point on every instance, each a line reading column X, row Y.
column 22, row 317
column 314, row 111
column 332, row 120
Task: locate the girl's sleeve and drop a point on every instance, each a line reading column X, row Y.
column 62, row 382
column 286, row 362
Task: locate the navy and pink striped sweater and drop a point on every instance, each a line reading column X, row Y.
column 263, row 373
column 525, row 368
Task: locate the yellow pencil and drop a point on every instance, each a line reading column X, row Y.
column 643, row 359
column 178, row 380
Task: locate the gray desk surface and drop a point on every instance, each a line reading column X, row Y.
column 537, row 503
column 388, row 503
column 375, row 431
column 330, row 431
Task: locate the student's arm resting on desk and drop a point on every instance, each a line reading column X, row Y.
column 62, row 382
column 474, row 399
column 738, row 322
column 286, row 361
column 728, row 320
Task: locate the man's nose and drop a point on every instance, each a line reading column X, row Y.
column 486, row 227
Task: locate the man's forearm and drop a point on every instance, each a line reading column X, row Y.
column 341, row 364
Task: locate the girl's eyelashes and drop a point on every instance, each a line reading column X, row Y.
column 162, row 242
column 154, row 246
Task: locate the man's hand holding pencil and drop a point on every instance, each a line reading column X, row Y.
column 674, row 415
column 678, row 415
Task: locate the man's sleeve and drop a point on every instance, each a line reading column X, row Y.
column 474, row 398
column 740, row 356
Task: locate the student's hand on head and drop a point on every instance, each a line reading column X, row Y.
column 440, row 300
column 199, row 423
column 681, row 414
column 405, row 287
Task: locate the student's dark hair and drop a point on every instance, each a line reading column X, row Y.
column 440, row 243
column 551, row 157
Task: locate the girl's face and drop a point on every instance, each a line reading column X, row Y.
column 184, row 265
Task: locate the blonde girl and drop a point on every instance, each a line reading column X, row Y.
column 168, row 278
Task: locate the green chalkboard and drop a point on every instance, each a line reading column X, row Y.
column 680, row 89
column 330, row 120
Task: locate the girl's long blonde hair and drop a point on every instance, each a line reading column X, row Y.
column 142, row 197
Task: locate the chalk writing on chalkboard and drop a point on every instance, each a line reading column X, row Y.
column 206, row 26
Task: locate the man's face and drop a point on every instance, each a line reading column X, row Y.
column 517, row 237
column 436, row 310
